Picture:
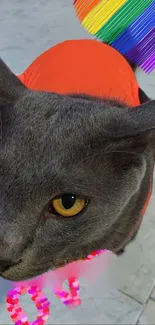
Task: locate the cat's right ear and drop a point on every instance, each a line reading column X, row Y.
column 11, row 87
column 134, row 122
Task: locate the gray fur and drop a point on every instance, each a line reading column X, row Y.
column 53, row 144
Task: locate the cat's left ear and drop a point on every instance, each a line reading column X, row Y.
column 11, row 87
column 134, row 121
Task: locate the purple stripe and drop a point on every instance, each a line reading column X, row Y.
column 144, row 49
column 149, row 64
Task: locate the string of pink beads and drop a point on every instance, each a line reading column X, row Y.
column 16, row 312
column 70, row 299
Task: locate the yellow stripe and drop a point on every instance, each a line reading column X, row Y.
column 100, row 15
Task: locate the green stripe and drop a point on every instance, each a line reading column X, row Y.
column 123, row 18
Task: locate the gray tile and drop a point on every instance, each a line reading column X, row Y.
column 118, row 309
column 148, row 317
column 141, row 280
column 153, row 294
column 31, row 28
column 147, row 82
column 143, row 320
column 5, row 286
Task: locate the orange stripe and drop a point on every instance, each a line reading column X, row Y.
column 83, row 7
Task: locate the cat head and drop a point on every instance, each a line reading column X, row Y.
column 69, row 168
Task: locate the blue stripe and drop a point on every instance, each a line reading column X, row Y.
column 134, row 33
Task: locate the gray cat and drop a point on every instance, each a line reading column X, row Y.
column 73, row 149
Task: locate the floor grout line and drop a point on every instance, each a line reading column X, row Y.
column 140, row 317
column 131, row 297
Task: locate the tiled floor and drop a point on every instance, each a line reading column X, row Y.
column 125, row 293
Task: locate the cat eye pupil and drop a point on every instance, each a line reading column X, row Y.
column 68, row 201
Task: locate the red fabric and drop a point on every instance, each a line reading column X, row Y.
column 83, row 66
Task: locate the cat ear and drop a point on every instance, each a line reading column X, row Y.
column 135, row 121
column 10, row 86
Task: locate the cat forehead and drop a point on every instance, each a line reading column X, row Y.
column 52, row 160
column 52, row 133
column 45, row 120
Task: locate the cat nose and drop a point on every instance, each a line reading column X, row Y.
column 6, row 264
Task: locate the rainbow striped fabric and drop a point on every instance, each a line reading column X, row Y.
column 127, row 25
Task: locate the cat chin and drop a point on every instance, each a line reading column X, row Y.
column 20, row 273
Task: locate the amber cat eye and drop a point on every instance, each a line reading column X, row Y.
column 68, row 205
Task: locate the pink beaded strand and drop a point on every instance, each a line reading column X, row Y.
column 16, row 312
column 72, row 299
